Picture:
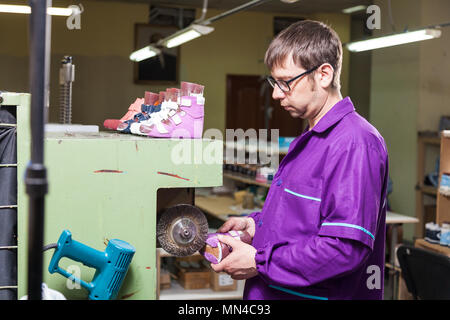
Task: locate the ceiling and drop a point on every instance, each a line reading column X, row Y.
column 300, row 7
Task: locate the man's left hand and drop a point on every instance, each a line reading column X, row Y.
column 240, row 263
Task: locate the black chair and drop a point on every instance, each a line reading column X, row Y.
column 426, row 274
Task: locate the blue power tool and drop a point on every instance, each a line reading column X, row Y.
column 111, row 265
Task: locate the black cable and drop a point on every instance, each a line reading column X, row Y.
column 50, row 246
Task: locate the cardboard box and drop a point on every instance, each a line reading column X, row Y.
column 222, row 282
column 193, row 277
column 164, row 279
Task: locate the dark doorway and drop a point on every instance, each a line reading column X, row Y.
column 250, row 105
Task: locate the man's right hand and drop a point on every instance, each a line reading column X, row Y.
column 239, row 224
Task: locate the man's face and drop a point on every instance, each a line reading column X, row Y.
column 300, row 100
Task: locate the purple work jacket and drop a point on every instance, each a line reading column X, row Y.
column 321, row 232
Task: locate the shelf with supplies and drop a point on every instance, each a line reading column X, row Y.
column 222, row 206
column 256, row 162
column 220, row 286
column 443, row 194
column 426, row 141
column 245, row 179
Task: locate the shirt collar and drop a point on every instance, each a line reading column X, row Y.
column 334, row 115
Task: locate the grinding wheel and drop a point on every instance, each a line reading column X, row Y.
column 182, row 230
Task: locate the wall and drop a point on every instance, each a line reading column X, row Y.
column 409, row 90
column 103, row 78
column 394, row 104
column 360, row 69
column 104, row 85
column 434, row 68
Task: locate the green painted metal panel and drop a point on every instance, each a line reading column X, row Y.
column 103, row 186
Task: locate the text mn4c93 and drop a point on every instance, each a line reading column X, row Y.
column 246, row 309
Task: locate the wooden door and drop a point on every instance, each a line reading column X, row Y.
column 250, row 105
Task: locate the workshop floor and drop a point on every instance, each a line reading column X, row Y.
column 387, row 287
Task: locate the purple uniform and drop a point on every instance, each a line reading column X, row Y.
column 321, row 232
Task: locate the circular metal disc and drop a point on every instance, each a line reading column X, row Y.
column 182, row 230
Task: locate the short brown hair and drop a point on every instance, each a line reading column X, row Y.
column 311, row 44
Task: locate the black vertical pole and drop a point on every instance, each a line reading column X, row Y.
column 36, row 176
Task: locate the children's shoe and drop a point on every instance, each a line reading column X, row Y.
column 135, row 126
column 180, row 120
column 111, row 124
column 168, row 98
column 134, row 109
column 444, row 187
column 183, row 121
column 147, row 107
column 215, row 251
column 445, row 235
column 432, row 232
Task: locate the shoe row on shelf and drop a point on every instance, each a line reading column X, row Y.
column 174, row 113
column 260, row 173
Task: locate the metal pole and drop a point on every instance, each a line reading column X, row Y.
column 36, row 175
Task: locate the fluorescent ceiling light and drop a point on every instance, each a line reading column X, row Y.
column 9, row 8
column 354, row 9
column 394, row 40
column 60, row 11
column 192, row 32
column 144, row 53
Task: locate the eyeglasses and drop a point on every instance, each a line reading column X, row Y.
column 284, row 84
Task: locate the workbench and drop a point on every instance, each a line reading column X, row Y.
column 102, row 186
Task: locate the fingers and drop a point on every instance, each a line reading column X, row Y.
column 251, row 227
column 233, row 243
column 219, row 267
column 232, row 224
column 229, row 241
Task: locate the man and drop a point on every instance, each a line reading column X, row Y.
column 321, row 232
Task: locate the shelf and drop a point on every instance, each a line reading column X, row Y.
column 177, row 292
column 425, row 140
column 164, row 254
column 422, row 243
column 430, row 138
column 429, row 190
column 244, row 179
column 442, row 201
column 221, row 206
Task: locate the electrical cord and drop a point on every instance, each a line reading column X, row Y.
column 50, row 246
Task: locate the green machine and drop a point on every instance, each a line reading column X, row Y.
column 102, row 186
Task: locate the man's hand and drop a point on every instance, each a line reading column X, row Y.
column 240, row 263
column 239, row 224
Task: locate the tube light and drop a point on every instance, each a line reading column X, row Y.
column 9, row 8
column 192, row 32
column 394, row 40
column 144, row 53
column 59, row 11
column 354, row 9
